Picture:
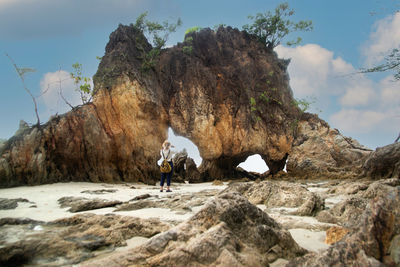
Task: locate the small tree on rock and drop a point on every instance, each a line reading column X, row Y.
column 159, row 34
column 271, row 28
column 82, row 84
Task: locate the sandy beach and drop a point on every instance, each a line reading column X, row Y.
column 43, row 206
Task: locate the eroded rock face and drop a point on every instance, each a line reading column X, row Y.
column 228, row 231
column 384, row 162
column 281, row 194
column 321, row 151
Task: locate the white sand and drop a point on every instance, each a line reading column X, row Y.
column 45, row 198
column 314, row 241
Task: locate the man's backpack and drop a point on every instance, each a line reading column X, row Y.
column 165, row 167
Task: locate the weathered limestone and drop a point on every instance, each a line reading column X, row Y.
column 321, row 151
column 227, row 231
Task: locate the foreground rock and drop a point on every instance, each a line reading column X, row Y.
column 275, row 194
column 69, row 241
column 357, row 195
column 374, row 242
column 229, row 231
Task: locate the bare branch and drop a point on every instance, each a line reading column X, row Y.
column 21, row 73
column 60, row 89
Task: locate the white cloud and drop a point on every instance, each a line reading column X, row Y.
column 390, row 92
column 352, row 102
column 358, row 95
column 384, row 37
column 315, row 71
column 309, row 67
column 357, row 121
column 50, row 89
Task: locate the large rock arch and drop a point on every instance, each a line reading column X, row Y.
column 230, row 96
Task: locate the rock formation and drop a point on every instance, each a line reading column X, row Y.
column 374, row 241
column 319, row 150
column 230, row 96
column 384, row 162
column 281, row 194
column 228, row 231
column 69, row 241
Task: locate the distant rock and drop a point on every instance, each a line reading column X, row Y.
column 192, row 173
column 77, row 204
column 179, row 160
column 144, row 196
column 217, row 182
column 229, row 231
column 71, row 240
column 384, row 162
column 9, row 204
column 99, row 192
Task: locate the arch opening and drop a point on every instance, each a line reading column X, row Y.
column 181, row 143
column 254, row 163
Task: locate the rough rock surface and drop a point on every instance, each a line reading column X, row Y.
column 230, row 97
column 77, row 204
column 179, row 202
column 9, row 204
column 229, row 231
column 319, row 151
column 335, row 234
column 373, row 243
column 346, row 213
column 69, row 241
column 384, row 162
column 281, row 194
column 192, row 173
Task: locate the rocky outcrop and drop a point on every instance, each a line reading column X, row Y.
column 346, row 213
column 384, row 162
column 281, row 194
column 374, row 242
column 319, row 150
column 9, row 204
column 228, row 231
column 69, row 241
column 77, row 204
column 230, row 96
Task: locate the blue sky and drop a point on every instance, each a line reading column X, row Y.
column 51, row 35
